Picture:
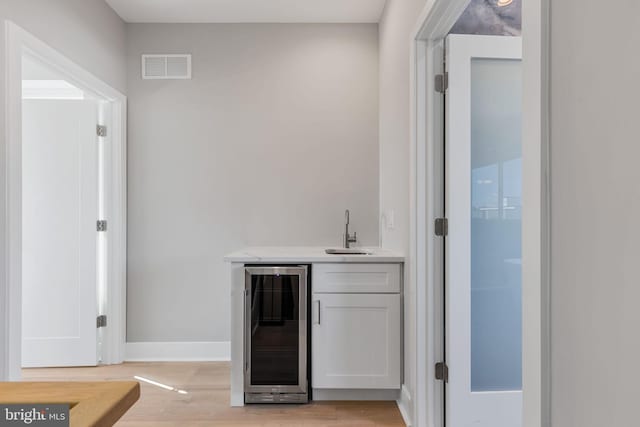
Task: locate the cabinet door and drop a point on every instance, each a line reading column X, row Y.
column 356, row 341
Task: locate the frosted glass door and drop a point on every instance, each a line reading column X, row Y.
column 483, row 255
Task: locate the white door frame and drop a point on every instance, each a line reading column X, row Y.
column 434, row 23
column 113, row 339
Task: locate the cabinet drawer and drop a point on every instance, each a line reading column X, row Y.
column 356, row 278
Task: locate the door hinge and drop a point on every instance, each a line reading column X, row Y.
column 101, row 225
column 442, row 82
column 101, row 321
column 442, row 372
column 442, row 227
column 101, row 130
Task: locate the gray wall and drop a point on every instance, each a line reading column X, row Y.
column 595, row 271
column 88, row 32
column 396, row 28
column 273, row 138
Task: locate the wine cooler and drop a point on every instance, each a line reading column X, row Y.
column 276, row 334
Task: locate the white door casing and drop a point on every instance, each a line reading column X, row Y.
column 465, row 406
column 59, row 252
column 18, row 43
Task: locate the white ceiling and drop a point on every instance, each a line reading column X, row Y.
column 249, row 11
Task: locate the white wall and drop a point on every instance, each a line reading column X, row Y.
column 88, row 32
column 595, row 268
column 396, row 30
column 275, row 136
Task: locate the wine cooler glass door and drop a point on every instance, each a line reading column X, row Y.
column 276, row 330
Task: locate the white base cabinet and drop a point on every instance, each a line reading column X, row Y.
column 356, row 337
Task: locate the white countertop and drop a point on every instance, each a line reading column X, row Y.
column 284, row 255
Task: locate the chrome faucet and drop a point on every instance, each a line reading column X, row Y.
column 348, row 239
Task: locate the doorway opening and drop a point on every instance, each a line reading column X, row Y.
column 480, row 151
column 63, row 254
column 483, row 206
column 66, row 211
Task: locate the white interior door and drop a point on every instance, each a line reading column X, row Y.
column 60, row 209
column 483, row 247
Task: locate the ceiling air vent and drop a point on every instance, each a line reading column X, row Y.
column 166, row 67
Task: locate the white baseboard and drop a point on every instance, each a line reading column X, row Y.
column 405, row 405
column 351, row 394
column 178, row 351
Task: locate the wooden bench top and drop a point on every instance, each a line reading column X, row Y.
column 98, row 404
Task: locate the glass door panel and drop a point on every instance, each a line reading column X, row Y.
column 496, row 207
column 275, row 329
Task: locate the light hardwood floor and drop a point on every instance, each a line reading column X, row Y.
column 207, row 400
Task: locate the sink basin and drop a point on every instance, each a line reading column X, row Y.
column 349, row 251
